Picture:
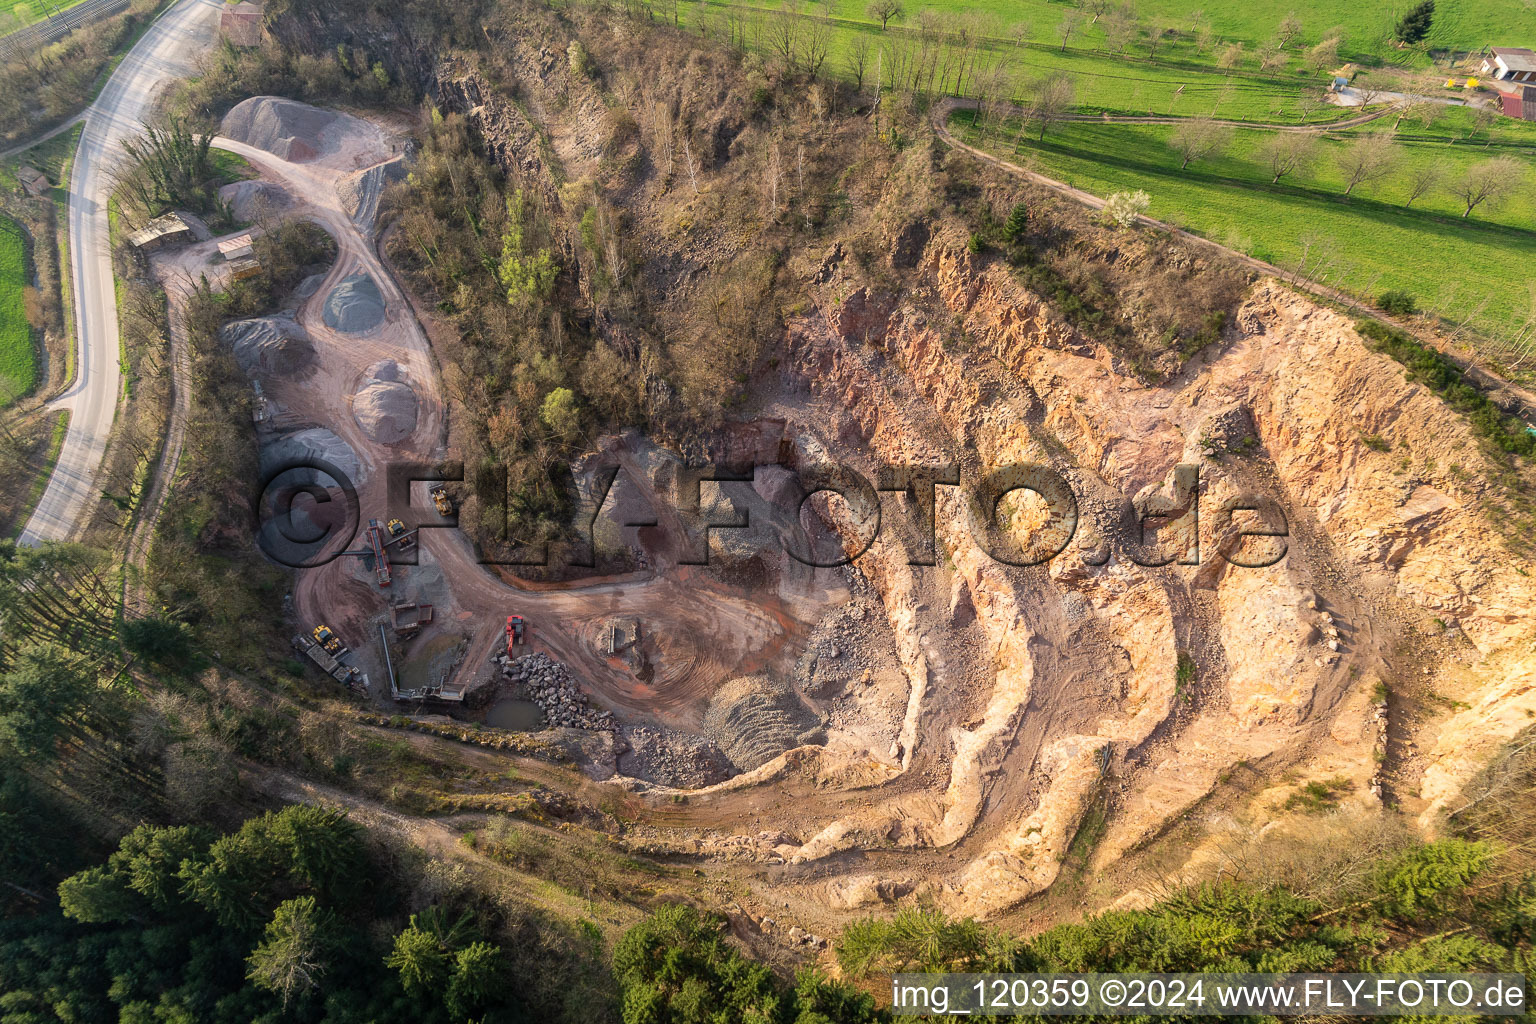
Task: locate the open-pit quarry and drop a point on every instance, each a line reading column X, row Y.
column 864, row 733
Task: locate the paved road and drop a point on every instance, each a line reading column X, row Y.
column 169, row 50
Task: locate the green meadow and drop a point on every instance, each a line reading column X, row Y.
column 1366, row 27
column 17, row 361
column 1182, row 77
column 1450, row 263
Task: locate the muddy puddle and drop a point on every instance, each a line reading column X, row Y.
column 521, row 715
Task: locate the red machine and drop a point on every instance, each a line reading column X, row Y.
column 515, row 627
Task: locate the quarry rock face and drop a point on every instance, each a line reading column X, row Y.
column 1232, row 663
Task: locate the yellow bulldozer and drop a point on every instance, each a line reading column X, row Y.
column 443, row 502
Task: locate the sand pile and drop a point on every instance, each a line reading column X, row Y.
column 289, row 130
column 269, row 345
column 354, row 305
column 386, row 410
column 252, row 201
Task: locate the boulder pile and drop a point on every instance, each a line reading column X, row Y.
column 550, row 685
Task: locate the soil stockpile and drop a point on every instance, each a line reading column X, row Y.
column 354, row 305
column 288, row 130
column 269, row 345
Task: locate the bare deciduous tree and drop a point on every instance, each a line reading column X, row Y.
column 1368, row 158
column 1423, row 178
column 1120, row 28
column 1289, row 30
column 1287, row 152
column 1309, row 102
column 1071, row 21
column 1053, row 98
column 818, row 39
column 1489, row 182
column 1272, row 55
column 992, row 85
column 1200, row 137
column 857, row 59
column 1324, row 55
column 885, row 11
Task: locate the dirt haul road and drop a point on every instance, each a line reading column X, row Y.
column 168, row 51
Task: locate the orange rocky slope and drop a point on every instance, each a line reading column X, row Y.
column 1080, row 698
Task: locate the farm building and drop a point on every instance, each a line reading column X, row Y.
column 241, row 23
column 1519, row 103
column 1510, row 64
column 161, row 233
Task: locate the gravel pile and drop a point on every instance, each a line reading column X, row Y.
column 360, row 192
column 289, row 130
column 550, row 685
column 268, row 345
column 254, row 200
column 672, row 758
column 309, row 448
column 386, row 410
column 354, row 305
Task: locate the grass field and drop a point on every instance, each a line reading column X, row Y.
column 23, row 13
column 1366, row 27
column 1451, row 264
column 1182, row 80
column 18, row 365
column 52, row 158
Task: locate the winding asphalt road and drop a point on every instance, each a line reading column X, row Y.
column 168, row 51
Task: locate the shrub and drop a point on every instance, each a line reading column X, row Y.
column 579, row 59
column 1123, row 208
column 1398, row 303
column 1445, row 378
